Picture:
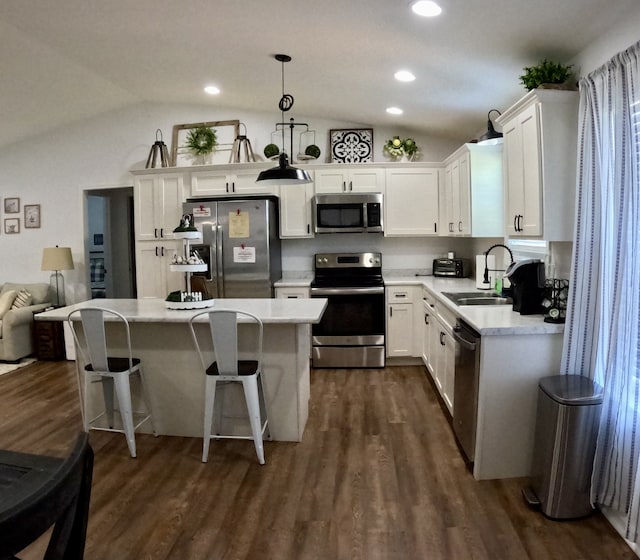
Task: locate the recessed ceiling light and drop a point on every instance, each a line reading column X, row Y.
column 394, row 111
column 212, row 90
column 404, row 76
column 426, row 8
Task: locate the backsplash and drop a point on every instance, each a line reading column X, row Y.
column 398, row 253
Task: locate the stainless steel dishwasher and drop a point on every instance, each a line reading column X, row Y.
column 465, row 391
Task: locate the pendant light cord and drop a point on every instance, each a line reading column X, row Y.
column 286, row 101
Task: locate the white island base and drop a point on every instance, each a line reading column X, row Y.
column 175, row 381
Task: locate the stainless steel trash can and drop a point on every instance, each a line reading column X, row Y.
column 565, row 441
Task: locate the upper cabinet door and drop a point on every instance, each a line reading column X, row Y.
column 222, row 182
column 411, row 202
column 158, row 205
column 295, row 211
column 540, row 146
column 349, row 179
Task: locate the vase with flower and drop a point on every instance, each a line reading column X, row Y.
column 400, row 150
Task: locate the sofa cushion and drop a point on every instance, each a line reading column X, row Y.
column 40, row 292
column 23, row 299
column 6, row 301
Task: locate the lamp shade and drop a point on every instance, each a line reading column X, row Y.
column 284, row 174
column 57, row 258
column 491, row 136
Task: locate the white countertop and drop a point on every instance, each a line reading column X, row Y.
column 291, row 311
column 488, row 320
column 294, row 280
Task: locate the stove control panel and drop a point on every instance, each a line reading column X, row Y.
column 348, row 260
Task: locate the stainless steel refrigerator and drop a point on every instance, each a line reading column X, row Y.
column 240, row 245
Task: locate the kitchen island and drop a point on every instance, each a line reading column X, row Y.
column 162, row 340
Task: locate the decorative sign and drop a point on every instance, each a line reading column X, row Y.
column 238, row 225
column 351, row 145
column 244, row 254
column 202, row 212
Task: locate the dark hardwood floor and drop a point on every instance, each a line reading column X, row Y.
column 377, row 476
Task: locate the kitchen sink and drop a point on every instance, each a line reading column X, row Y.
column 477, row 298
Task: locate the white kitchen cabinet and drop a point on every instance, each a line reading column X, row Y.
column 411, row 201
column 438, row 347
column 471, row 202
column 214, row 182
column 399, row 330
column 402, row 335
column 158, row 202
column 292, row 292
column 540, row 142
column 428, row 326
column 295, row 211
column 153, row 277
column 346, row 179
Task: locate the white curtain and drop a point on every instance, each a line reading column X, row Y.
column 602, row 336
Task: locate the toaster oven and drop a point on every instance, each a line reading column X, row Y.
column 452, row 268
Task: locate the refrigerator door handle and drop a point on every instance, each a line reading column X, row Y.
column 220, row 268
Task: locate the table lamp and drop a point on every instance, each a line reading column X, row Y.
column 57, row 259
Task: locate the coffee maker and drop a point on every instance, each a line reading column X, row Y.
column 527, row 281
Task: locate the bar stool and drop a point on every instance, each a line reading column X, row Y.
column 113, row 373
column 223, row 328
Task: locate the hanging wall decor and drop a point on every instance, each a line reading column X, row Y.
column 226, row 133
column 31, row 216
column 351, row 145
column 12, row 225
column 11, row 205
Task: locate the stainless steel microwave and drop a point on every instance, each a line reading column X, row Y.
column 347, row 213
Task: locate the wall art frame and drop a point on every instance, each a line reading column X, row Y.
column 11, row 225
column 12, row 205
column 226, row 133
column 31, row 216
column 351, row 145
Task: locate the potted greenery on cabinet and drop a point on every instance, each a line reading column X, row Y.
column 547, row 75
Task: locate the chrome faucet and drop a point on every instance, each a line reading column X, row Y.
column 486, row 264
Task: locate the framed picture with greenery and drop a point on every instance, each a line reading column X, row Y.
column 203, row 143
column 31, row 216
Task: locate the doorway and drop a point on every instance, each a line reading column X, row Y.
column 109, row 243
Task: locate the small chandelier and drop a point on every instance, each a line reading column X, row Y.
column 284, row 174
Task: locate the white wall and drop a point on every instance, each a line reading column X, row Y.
column 53, row 169
column 621, row 37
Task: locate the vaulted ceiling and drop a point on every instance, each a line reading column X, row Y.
column 62, row 61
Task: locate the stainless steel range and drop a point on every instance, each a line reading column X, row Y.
column 351, row 332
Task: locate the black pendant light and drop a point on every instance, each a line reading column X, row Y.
column 491, row 136
column 284, row 174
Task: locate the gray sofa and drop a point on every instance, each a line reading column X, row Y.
column 16, row 332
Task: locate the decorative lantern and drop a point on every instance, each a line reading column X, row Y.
column 158, row 153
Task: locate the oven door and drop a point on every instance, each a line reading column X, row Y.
column 351, row 331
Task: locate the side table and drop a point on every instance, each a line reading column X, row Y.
column 49, row 339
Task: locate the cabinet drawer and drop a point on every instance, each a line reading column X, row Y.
column 401, row 294
column 292, row 293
